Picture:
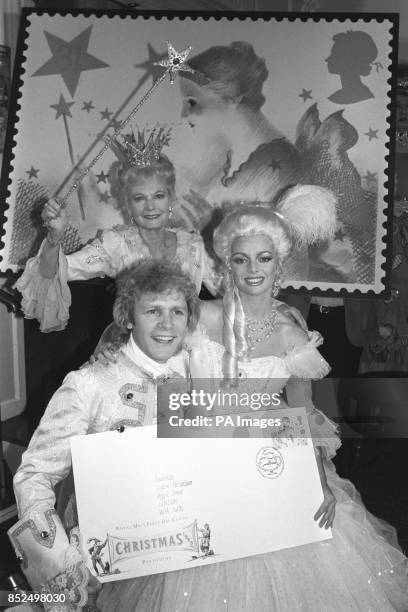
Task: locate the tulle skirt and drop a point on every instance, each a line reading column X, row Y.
column 360, row 569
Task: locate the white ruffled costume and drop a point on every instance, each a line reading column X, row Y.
column 358, row 570
column 91, row 400
column 48, row 299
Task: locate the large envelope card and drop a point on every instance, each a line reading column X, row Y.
column 148, row 505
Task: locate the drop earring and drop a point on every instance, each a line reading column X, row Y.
column 275, row 288
column 170, row 211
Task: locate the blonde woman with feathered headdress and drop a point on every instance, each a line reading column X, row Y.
column 255, row 242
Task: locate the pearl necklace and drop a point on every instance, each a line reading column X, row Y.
column 259, row 330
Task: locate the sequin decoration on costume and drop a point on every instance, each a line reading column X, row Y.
column 129, row 396
column 123, row 423
column 47, row 542
column 100, row 254
column 92, row 259
column 127, row 391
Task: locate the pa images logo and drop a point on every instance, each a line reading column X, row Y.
column 269, row 462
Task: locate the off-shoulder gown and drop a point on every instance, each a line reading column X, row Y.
column 360, row 569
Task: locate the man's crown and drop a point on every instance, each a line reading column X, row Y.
column 141, row 150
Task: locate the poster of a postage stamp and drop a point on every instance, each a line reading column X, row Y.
column 258, row 104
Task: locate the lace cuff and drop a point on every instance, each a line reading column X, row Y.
column 52, row 566
column 305, row 361
column 324, row 431
column 45, row 299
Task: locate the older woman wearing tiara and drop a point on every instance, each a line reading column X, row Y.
column 143, row 182
column 358, row 569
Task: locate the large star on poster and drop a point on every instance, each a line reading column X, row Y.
column 69, row 59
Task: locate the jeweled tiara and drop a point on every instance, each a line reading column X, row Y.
column 141, row 150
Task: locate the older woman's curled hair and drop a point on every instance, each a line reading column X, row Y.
column 122, row 177
column 153, row 277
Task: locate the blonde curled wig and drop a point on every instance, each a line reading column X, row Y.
column 252, row 220
column 304, row 215
column 249, row 220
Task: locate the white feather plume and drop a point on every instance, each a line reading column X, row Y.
column 309, row 212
